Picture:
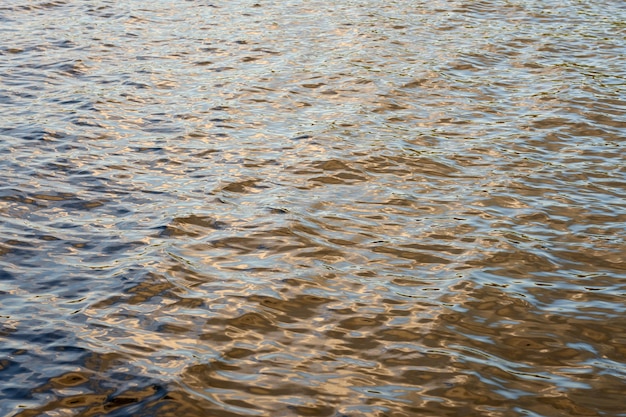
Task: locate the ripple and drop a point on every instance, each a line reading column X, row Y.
column 384, row 209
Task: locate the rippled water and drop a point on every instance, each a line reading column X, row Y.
column 307, row 208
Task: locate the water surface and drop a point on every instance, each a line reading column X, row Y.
column 300, row 208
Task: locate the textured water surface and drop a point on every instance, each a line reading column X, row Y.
column 306, row 208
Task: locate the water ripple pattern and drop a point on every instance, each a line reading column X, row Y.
column 307, row 208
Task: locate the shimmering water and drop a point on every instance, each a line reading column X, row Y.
column 305, row 208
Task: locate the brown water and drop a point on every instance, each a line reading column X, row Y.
column 306, row 208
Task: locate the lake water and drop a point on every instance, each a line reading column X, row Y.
column 309, row 208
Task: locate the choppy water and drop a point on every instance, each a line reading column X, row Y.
column 307, row 208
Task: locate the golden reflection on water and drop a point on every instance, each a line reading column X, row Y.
column 303, row 209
